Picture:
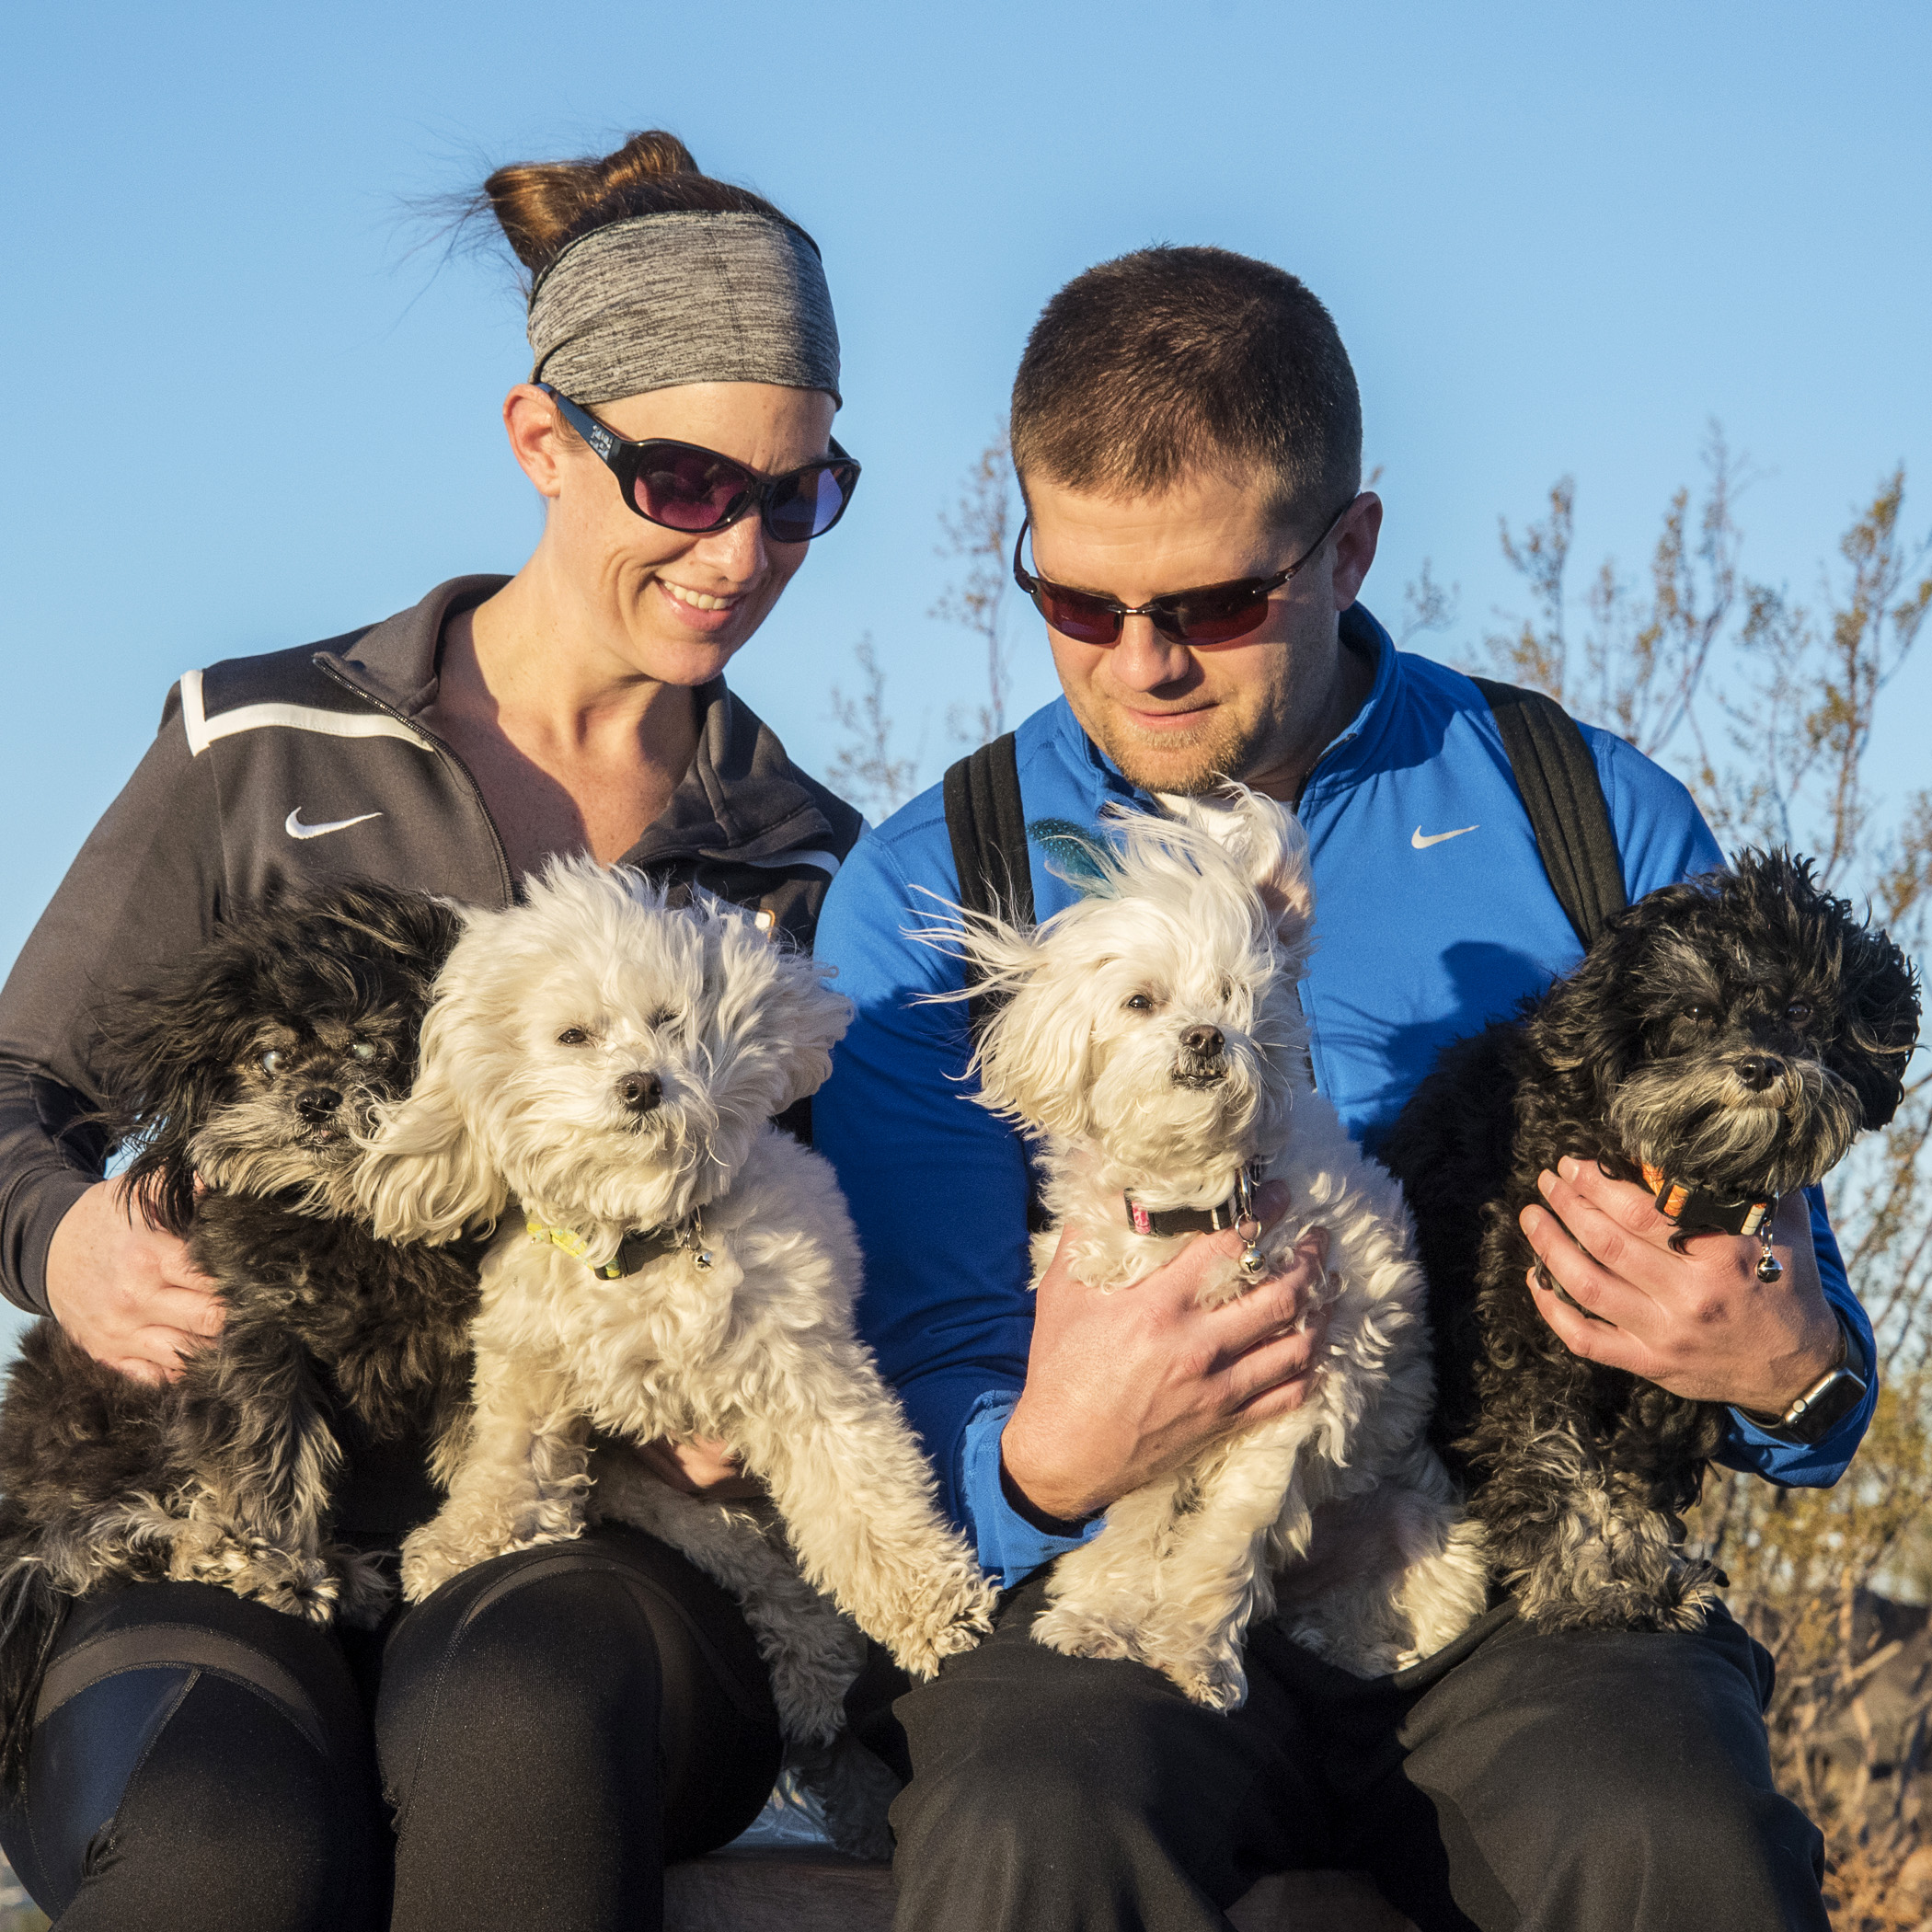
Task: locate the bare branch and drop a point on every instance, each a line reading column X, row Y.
column 864, row 769
column 980, row 528
column 1426, row 605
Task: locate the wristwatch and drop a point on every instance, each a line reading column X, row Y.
column 1826, row 1403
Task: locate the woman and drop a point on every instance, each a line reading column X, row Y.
column 550, row 1727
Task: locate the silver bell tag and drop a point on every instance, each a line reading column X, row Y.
column 1247, row 1226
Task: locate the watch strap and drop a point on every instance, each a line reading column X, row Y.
column 1821, row 1407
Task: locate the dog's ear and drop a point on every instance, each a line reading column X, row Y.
column 1588, row 1026
column 1032, row 1052
column 811, row 1019
column 167, row 1062
column 1273, row 849
column 1267, row 843
column 426, row 1171
column 1882, row 1016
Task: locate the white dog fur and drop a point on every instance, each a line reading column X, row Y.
column 549, row 1025
column 1338, row 1517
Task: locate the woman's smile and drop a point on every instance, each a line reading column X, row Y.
column 704, row 611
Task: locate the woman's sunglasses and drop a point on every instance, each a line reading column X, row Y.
column 683, row 487
column 1214, row 614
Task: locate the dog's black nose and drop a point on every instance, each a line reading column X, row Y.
column 1205, row 1041
column 640, row 1092
column 1757, row 1071
column 318, row 1104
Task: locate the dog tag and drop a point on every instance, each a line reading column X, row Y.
column 1252, row 1261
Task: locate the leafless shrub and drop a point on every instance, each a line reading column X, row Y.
column 865, row 768
column 981, row 529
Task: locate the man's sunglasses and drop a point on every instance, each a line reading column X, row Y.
column 1214, row 614
column 685, row 486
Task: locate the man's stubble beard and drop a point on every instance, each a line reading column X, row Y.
column 1227, row 745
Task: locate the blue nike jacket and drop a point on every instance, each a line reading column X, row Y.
column 1432, row 916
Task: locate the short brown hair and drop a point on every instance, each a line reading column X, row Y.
column 1168, row 361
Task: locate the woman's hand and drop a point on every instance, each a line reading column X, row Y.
column 1122, row 1388
column 701, row 1466
column 126, row 1291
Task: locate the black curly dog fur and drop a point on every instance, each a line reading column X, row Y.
column 248, row 1072
column 1738, row 1033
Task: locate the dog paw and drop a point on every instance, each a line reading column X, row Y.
column 1217, row 1687
column 367, row 1593
column 429, row 1561
column 809, row 1683
column 1079, row 1633
column 953, row 1625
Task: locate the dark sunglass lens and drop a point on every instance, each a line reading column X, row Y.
column 688, row 489
column 805, row 504
column 1217, row 620
column 1084, row 619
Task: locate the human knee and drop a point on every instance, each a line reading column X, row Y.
column 553, row 1647
column 1059, row 1766
column 236, row 1814
column 1656, row 1742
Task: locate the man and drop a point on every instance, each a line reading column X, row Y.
column 1186, row 418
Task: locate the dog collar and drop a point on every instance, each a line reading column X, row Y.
column 1675, row 1200
column 637, row 1249
column 1238, row 1207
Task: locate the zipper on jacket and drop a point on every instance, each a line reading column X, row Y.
column 450, row 757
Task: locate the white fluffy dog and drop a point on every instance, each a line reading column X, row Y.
column 678, row 1268
column 1152, row 1034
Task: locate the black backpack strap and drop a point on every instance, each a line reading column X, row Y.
column 1564, row 796
column 987, row 824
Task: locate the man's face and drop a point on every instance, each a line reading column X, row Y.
column 1173, row 716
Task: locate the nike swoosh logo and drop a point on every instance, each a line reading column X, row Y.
column 293, row 826
column 1435, row 839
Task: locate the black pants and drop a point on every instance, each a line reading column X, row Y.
column 1606, row 1782
column 526, row 1748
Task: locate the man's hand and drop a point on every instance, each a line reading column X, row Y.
column 702, row 1466
column 126, row 1291
column 1122, row 1388
column 1700, row 1323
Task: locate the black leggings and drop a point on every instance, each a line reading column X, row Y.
column 529, row 1747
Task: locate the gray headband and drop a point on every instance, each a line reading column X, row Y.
column 688, row 297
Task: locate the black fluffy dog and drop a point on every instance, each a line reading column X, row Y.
column 1731, row 1036
column 249, row 1072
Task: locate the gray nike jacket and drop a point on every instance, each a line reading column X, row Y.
column 308, row 766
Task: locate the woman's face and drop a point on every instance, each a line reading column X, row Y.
column 669, row 605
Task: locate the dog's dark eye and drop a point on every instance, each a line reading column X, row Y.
column 573, row 1036
column 363, row 1051
column 1139, row 1002
column 1798, row 1012
column 666, row 1018
column 1697, row 1013
column 1227, row 987
column 271, row 1062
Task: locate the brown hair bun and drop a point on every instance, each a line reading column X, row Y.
column 543, row 206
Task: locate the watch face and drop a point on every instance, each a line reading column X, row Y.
column 1835, row 1400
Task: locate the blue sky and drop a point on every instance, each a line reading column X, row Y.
column 1556, row 239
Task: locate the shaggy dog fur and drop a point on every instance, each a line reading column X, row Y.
column 1736, row 1033
column 613, row 1065
column 248, row 1070
column 1152, row 1035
